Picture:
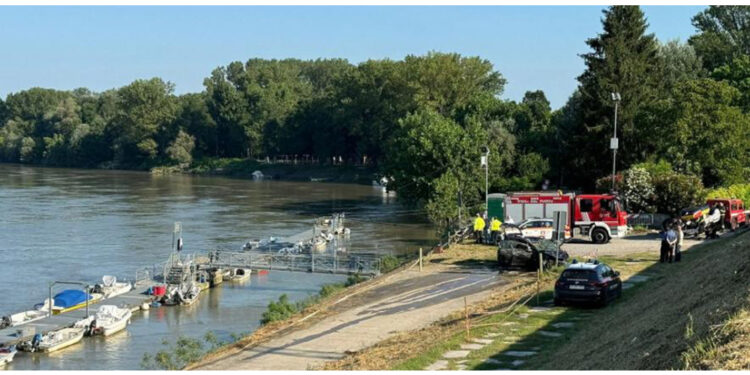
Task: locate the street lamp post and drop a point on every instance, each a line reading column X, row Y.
column 485, row 163
column 613, row 142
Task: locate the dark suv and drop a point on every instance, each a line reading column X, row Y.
column 588, row 282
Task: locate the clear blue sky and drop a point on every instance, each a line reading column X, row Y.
column 534, row 47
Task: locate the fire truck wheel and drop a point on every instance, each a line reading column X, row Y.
column 599, row 235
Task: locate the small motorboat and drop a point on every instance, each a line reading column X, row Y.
column 190, row 294
column 7, row 354
column 22, row 318
column 110, row 319
column 110, row 287
column 69, row 300
column 239, row 274
column 55, row 340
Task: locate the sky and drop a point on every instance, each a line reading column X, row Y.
column 533, row 47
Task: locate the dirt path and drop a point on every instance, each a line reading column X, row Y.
column 407, row 301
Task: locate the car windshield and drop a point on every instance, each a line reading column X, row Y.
column 579, row 274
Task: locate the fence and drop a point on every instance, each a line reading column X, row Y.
column 647, row 220
column 367, row 264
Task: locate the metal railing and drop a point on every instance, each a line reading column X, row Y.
column 366, row 264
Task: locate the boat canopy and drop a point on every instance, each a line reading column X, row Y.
column 70, row 297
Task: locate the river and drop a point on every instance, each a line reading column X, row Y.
column 73, row 224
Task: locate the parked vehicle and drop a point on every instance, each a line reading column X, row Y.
column 523, row 253
column 588, row 282
column 734, row 215
column 534, row 228
column 597, row 217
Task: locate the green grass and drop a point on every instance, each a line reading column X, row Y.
column 526, row 331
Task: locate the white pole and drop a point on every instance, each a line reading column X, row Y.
column 614, row 149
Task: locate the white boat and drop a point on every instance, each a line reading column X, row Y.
column 239, row 274
column 110, row 287
column 7, row 354
column 60, row 339
column 111, row 319
column 22, row 318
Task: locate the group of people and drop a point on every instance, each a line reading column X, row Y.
column 671, row 242
column 482, row 234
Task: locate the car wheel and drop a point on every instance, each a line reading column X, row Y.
column 619, row 291
column 599, row 235
column 604, row 300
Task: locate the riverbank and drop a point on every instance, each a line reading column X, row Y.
column 369, row 313
column 244, row 168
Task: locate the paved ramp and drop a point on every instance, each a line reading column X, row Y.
column 410, row 300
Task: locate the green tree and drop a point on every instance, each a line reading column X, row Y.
column 144, row 108
column 624, row 60
column 723, row 34
column 737, row 74
column 706, row 133
column 181, row 149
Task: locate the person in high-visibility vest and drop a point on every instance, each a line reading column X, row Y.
column 495, row 229
column 478, row 228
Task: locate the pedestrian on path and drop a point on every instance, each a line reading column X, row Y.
column 669, row 238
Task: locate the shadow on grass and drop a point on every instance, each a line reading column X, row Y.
column 540, row 333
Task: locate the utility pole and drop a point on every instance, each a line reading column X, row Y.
column 485, row 163
column 613, row 142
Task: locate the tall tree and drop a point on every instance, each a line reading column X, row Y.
column 624, row 60
column 723, row 34
column 144, row 108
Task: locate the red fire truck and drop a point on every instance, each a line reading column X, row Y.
column 598, row 217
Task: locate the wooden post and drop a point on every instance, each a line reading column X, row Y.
column 420, row 259
column 466, row 318
column 539, row 277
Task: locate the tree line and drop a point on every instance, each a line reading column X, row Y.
column 423, row 121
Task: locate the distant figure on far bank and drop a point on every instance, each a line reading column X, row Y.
column 478, row 228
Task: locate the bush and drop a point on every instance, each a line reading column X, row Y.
column 354, row 280
column 389, row 263
column 283, row 309
column 674, row 191
column 741, row 191
column 330, row 289
column 638, row 189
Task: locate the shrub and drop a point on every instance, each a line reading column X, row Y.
column 389, row 263
column 280, row 310
column 741, row 191
column 354, row 279
column 638, row 189
column 674, row 191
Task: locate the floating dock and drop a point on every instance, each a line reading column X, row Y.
column 25, row 332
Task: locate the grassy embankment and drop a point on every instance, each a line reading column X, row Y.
column 243, row 168
column 691, row 314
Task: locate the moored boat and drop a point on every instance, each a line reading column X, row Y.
column 54, row 341
column 69, row 300
column 7, row 354
column 111, row 319
column 239, row 274
column 110, row 287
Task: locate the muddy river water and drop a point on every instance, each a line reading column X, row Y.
column 71, row 224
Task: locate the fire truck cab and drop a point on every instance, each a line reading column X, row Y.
column 598, row 217
column 735, row 214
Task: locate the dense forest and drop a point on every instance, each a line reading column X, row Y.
column 423, row 121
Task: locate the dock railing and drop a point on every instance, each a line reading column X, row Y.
column 366, row 264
